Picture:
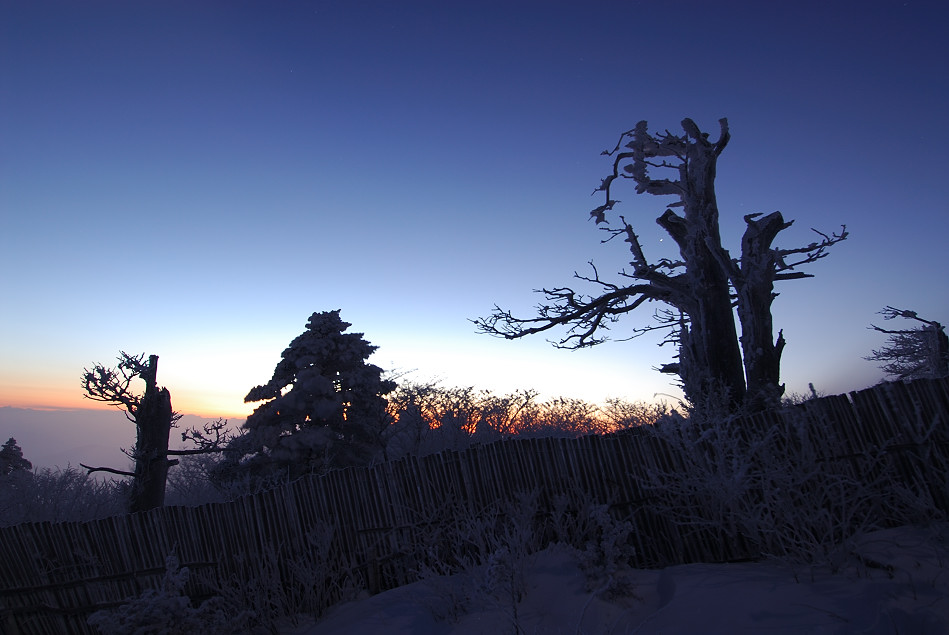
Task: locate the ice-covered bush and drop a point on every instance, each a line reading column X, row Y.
column 599, row 541
column 919, row 487
column 285, row 583
column 189, row 483
column 58, row 495
column 472, row 557
column 428, row 418
column 771, row 486
column 168, row 611
column 272, row 587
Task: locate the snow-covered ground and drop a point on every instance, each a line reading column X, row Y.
column 890, row 581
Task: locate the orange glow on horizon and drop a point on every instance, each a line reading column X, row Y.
column 47, row 398
column 51, row 398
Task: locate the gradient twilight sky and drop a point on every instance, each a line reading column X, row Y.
column 194, row 179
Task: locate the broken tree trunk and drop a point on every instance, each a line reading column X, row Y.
column 754, row 286
column 153, row 418
column 709, row 358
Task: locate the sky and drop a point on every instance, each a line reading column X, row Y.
column 194, row 179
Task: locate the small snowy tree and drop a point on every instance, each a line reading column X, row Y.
column 154, row 418
column 322, row 409
column 11, row 459
column 152, row 415
column 915, row 353
column 168, row 610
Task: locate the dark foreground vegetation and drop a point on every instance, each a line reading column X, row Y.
column 639, row 487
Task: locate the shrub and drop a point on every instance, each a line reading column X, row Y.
column 769, row 487
column 427, row 418
column 59, row 495
column 168, row 611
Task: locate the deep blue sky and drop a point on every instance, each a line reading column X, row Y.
column 193, row 179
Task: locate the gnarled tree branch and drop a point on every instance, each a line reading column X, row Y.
column 701, row 287
column 90, row 470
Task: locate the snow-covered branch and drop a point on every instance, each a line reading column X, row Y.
column 90, row 470
column 584, row 315
column 212, row 438
column 811, row 253
column 113, row 385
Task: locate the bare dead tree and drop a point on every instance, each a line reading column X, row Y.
column 152, row 414
column 920, row 352
column 703, row 286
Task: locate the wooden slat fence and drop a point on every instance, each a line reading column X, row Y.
column 52, row 576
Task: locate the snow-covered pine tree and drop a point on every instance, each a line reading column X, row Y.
column 323, row 408
column 11, row 458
